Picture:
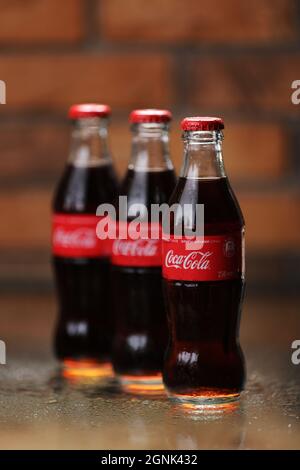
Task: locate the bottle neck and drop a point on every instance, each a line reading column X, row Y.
column 89, row 145
column 150, row 147
column 203, row 155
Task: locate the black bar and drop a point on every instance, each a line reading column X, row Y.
column 137, row 458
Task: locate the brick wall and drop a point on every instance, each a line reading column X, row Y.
column 232, row 58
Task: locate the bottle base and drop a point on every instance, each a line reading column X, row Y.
column 88, row 369
column 207, row 399
column 142, row 385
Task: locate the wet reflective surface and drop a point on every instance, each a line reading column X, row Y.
column 42, row 408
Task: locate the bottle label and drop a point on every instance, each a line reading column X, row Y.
column 137, row 248
column 74, row 236
column 219, row 258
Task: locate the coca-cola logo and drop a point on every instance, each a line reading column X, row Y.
column 77, row 238
column 145, row 248
column 194, row 260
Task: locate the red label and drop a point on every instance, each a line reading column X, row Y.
column 142, row 251
column 219, row 258
column 74, row 236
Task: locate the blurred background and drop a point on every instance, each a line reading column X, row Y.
column 231, row 58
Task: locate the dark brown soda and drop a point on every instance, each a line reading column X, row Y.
column 84, row 327
column 141, row 324
column 204, row 357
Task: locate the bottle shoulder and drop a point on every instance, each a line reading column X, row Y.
column 148, row 187
column 221, row 208
column 82, row 189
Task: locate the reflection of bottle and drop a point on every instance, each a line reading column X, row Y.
column 204, row 287
column 141, row 330
column 80, row 259
column 207, row 428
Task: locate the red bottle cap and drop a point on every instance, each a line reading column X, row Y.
column 150, row 115
column 198, row 123
column 87, row 110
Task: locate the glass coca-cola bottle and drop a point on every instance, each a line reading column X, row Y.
column 81, row 261
column 141, row 325
column 204, row 282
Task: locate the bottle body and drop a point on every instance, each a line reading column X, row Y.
column 84, row 328
column 204, row 289
column 81, row 262
column 141, row 326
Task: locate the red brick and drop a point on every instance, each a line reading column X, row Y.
column 272, row 220
column 27, row 219
column 198, row 21
column 32, row 151
column 49, row 82
column 255, row 151
column 36, row 21
column 250, row 83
